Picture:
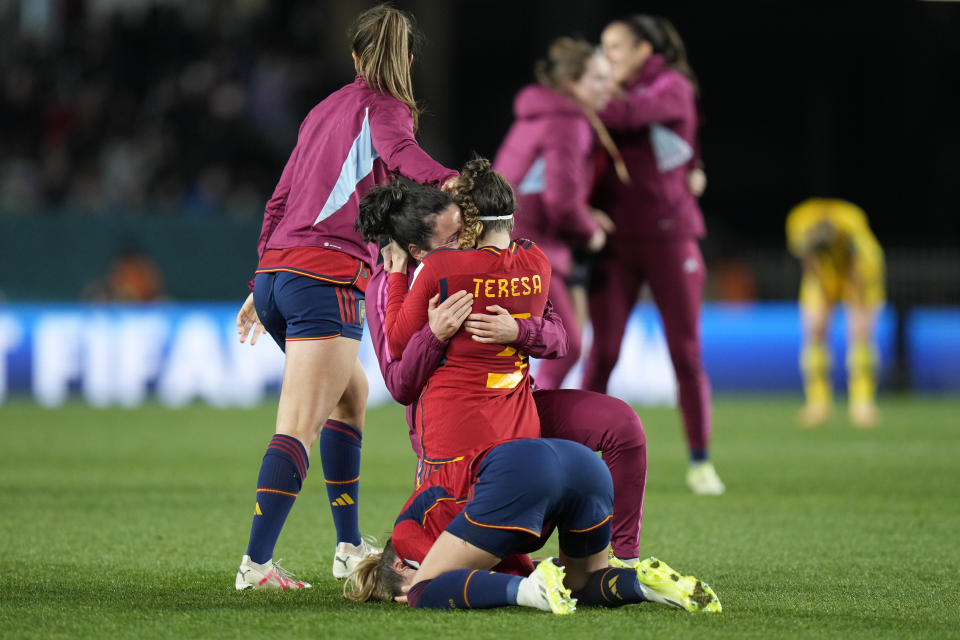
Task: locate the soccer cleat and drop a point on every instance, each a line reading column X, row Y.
column 703, row 480
column 621, row 563
column 662, row 584
column 269, row 575
column 348, row 556
column 863, row 414
column 813, row 415
column 543, row 589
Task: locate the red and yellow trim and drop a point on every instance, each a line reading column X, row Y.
column 423, row 522
column 466, row 584
column 345, row 282
column 596, row 526
column 502, row 527
column 326, row 265
column 336, row 335
column 278, row 491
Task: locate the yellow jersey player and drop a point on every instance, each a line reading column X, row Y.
column 842, row 262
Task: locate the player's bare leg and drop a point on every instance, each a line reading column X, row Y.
column 815, row 366
column 578, row 570
column 313, row 383
column 862, row 366
column 352, row 406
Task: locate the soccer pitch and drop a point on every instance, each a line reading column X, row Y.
column 131, row 523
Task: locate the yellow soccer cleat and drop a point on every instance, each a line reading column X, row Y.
column 543, row 589
column 618, row 562
column 662, row 584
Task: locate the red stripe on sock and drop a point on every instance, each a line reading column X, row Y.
column 295, row 446
column 342, row 427
column 291, row 449
column 296, row 463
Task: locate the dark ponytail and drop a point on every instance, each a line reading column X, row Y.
column 403, row 210
column 665, row 40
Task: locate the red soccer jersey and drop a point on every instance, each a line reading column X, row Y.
column 481, row 394
column 431, row 508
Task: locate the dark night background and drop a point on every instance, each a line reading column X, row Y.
column 171, row 114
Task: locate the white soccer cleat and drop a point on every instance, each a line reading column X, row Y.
column 348, row 556
column 543, row 589
column 703, row 480
column 269, row 575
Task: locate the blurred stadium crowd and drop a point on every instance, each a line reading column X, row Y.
column 169, row 107
column 137, row 109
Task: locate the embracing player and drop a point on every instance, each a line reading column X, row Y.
column 498, row 490
column 487, row 383
column 423, row 220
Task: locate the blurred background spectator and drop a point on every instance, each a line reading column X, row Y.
column 169, row 121
column 130, row 277
column 167, row 107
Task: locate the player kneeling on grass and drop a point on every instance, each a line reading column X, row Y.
column 460, row 540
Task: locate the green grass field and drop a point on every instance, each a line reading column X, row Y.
column 131, row 523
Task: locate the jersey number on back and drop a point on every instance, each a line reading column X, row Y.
column 512, row 379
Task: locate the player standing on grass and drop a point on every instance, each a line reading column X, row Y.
column 842, row 261
column 479, row 513
column 658, row 221
column 548, row 157
column 309, row 287
column 593, row 419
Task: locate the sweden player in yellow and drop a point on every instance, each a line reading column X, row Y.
column 842, row 262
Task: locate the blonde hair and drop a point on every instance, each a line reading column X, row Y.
column 481, row 191
column 384, row 39
column 566, row 58
column 374, row 578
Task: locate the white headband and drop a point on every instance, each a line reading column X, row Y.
column 495, row 217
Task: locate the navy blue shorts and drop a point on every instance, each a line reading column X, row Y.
column 526, row 488
column 295, row 307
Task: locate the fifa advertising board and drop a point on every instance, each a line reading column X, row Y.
column 176, row 354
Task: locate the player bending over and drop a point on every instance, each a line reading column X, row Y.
column 455, row 543
column 842, row 261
